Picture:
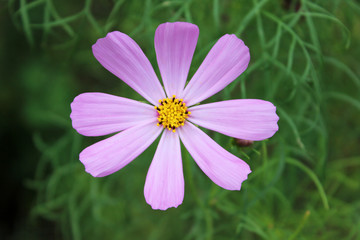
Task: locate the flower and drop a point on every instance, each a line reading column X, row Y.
column 172, row 113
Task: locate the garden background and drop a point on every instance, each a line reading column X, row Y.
column 305, row 184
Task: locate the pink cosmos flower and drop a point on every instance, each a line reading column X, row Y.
column 172, row 112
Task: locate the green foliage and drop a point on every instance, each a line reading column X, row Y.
column 304, row 59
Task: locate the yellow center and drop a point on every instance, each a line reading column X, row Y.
column 172, row 113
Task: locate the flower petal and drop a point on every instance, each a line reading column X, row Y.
column 164, row 186
column 222, row 167
column 112, row 154
column 249, row 119
column 97, row 114
column 175, row 45
column 227, row 59
column 119, row 54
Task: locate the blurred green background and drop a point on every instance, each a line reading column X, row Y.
column 305, row 184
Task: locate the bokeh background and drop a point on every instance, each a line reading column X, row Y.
column 305, row 184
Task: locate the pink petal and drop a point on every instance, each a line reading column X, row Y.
column 227, row 59
column 119, row 54
column 164, row 186
column 175, row 45
column 112, row 154
column 97, row 114
column 223, row 168
column 249, row 119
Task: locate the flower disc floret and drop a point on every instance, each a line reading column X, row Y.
column 172, row 113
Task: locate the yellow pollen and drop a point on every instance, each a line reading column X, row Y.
column 172, row 113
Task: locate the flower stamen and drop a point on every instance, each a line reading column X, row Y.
column 172, row 113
